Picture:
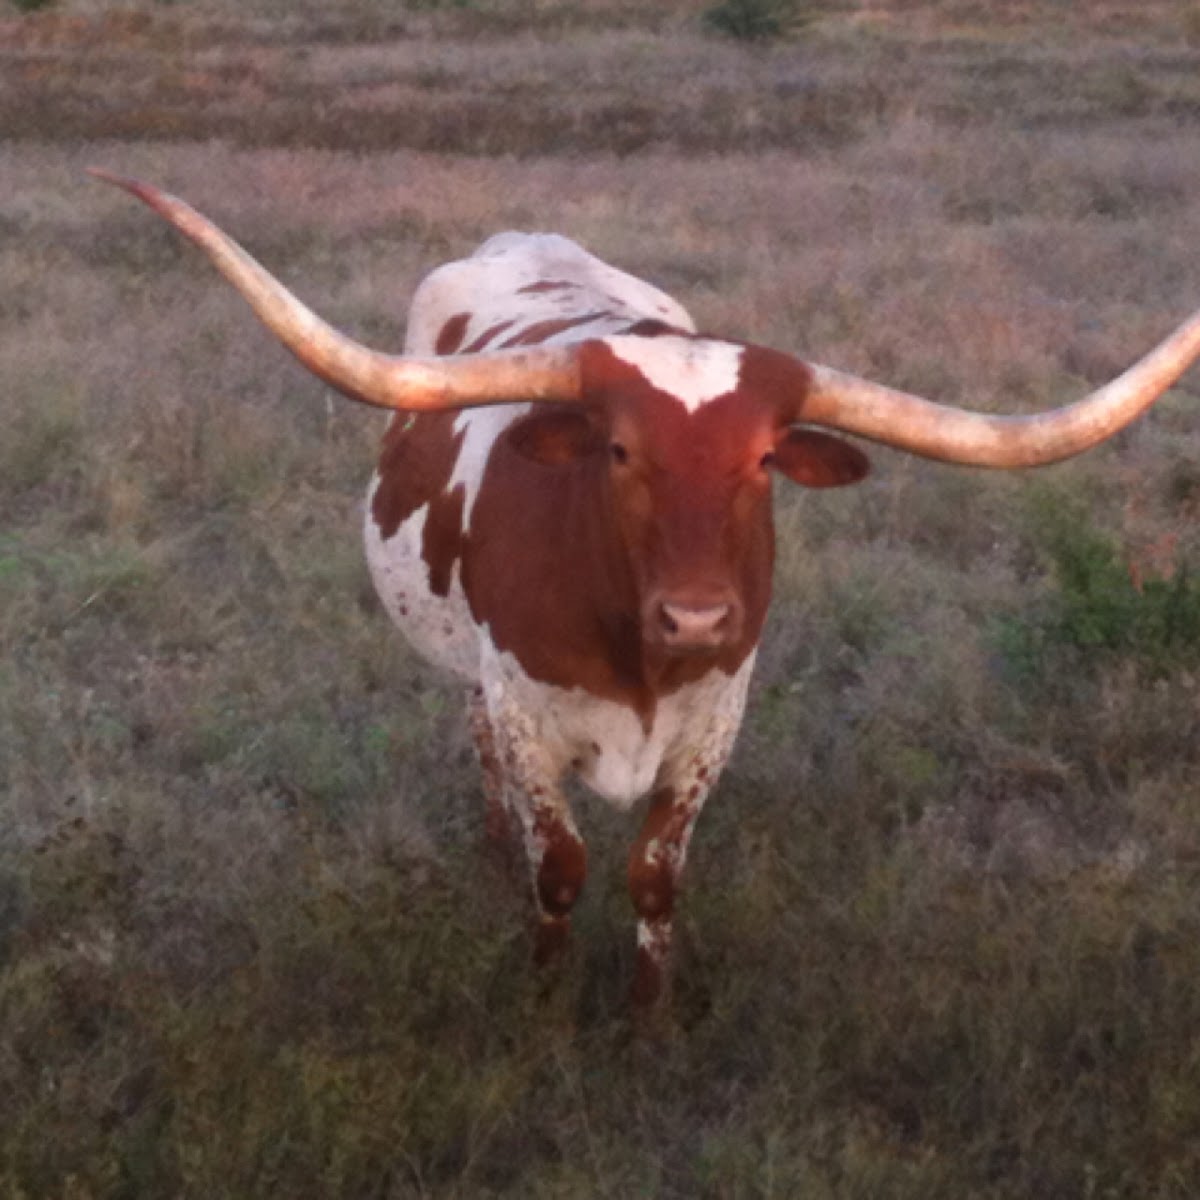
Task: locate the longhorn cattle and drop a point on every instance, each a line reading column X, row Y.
column 572, row 513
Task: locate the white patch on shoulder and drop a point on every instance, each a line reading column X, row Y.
column 692, row 370
column 439, row 628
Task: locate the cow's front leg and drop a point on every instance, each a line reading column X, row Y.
column 557, row 862
column 655, row 866
column 497, row 822
column 555, row 852
column 657, row 860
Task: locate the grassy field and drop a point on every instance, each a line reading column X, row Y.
column 940, row 933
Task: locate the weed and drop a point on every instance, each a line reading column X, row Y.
column 752, row 20
column 1100, row 606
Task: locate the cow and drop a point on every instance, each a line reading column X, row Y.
column 572, row 513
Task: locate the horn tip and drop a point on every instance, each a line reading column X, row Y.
column 143, row 191
column 103, row 173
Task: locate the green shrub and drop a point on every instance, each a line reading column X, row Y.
column 1100, row 607
column 752, row 20
column 28, row 6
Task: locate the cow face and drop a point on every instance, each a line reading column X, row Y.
column 685, row 433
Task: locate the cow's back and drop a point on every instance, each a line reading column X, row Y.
column 517, row 282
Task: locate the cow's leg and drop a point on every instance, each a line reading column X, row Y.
column 655, row 866
column 558, row 864
column 555, row 851
column 497, row 821
column 657, row 860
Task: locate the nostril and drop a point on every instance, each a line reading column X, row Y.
column 685, row 626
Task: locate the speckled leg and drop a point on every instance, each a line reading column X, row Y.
column 657, row 861
column 555, row 851
column 557, row 863
column 498, row 821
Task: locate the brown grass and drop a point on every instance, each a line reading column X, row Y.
column 940, row 932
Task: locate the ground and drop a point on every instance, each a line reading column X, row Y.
column 940, row 923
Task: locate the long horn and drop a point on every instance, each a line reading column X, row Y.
column 956, row 435
column 549, row 373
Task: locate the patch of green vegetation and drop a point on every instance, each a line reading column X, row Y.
column 1098, row 607
column 47, row 590
column 306, row 753
column 754, row 20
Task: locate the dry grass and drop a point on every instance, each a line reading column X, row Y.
column 940, row 933
column 564, row 79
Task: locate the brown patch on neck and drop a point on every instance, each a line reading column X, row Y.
column 664, row 674
column 442, row 538
column 415, row 467
column 451, row 335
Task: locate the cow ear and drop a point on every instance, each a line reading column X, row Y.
column 555, row 437
column 819, row 460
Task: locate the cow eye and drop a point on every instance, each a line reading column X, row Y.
column 619, row 454
column 767, row 460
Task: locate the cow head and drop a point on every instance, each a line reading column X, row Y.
column 685, row 434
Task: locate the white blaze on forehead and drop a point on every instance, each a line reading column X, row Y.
column 693, row 371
